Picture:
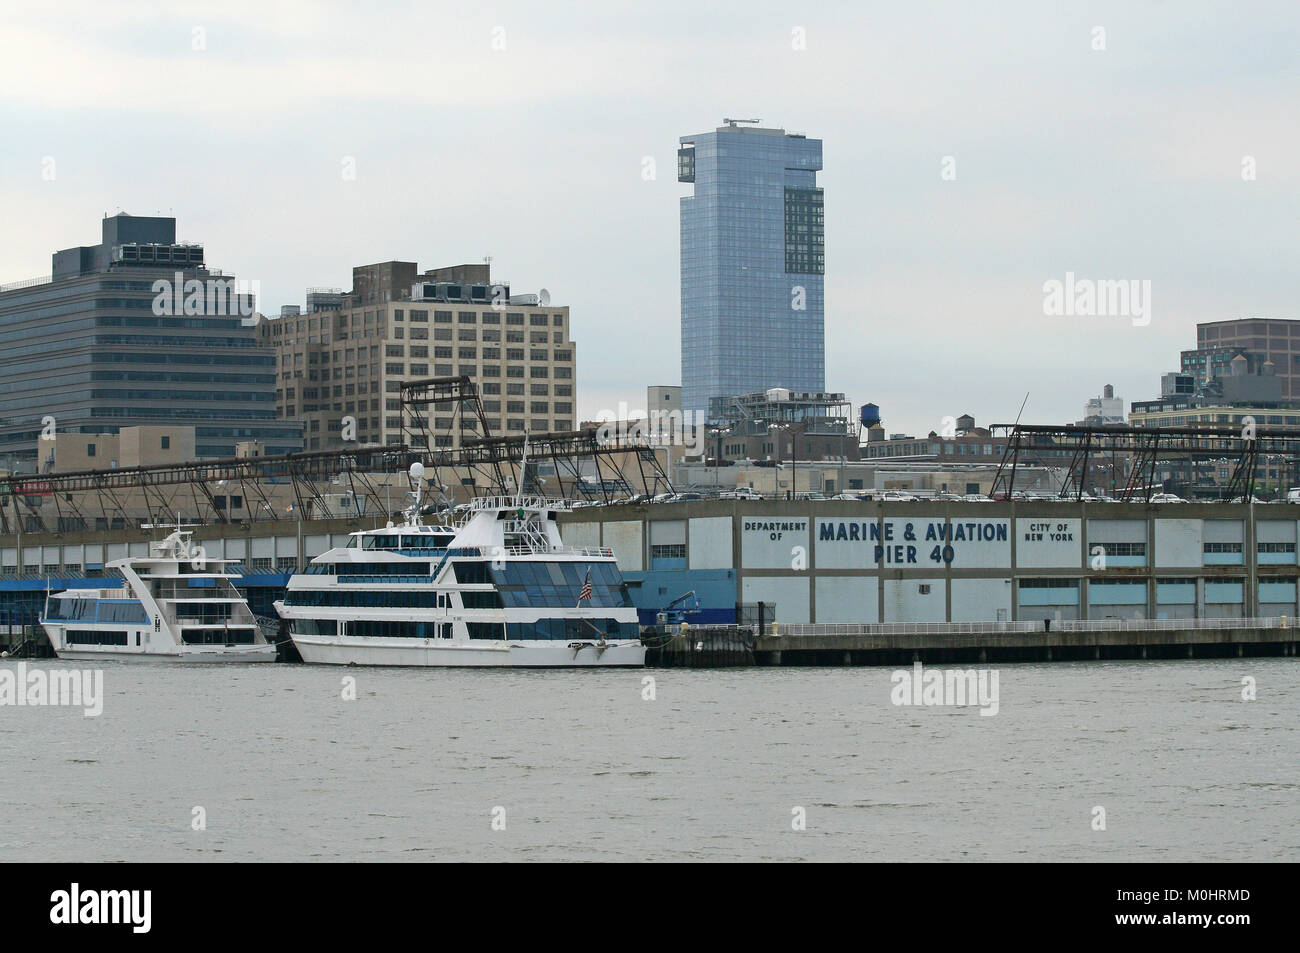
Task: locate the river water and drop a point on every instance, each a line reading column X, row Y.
column 719, row 765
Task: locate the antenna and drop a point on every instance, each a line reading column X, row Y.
column 1022, row 406
column 416, row 473
column 523, row 470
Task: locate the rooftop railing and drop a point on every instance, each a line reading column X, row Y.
column 27, row 283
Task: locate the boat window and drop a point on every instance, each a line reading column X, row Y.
column 411, row 569
column 572, row 629
column 121, row 611
column 371, row 628
column 472, row 572
column 526, row 583
column 384, row 598
column 480, row 599
column 95, row 637
column 222, row 636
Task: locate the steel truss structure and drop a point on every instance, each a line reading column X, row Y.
column 484, row 465
column 1147, row 449
column 79, row 499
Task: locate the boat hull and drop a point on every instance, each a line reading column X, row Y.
column 462, row 653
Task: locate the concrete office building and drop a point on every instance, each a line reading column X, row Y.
column 664, row 407
column 752, row 264
column 778, row 424
column 98, row 347
column 1260, row 341
column 1104, row 410
column 398, row 324
column 129, row 447
column 1240, row 370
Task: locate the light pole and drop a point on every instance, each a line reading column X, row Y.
column 776, row 429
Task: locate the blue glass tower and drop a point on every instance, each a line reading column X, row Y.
column 753, row 264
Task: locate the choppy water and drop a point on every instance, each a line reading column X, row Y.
column 585, row 769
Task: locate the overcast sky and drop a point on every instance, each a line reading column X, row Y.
column 520, row 131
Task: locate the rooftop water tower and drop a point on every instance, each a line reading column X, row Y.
column 869, row 414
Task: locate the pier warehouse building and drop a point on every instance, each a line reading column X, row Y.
column 824, row 561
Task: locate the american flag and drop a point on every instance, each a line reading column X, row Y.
column 586, row 588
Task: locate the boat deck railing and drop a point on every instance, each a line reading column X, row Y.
column 480, row 503
column 118, row 593
column 594, row 552
column 186, row 594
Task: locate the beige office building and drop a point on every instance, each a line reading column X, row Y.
column 399, row 325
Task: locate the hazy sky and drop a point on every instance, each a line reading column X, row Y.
column 520, row 131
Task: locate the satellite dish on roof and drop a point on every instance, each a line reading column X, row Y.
column 543, row 297
column 417, row 470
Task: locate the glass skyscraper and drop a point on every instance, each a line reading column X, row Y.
column 753, row 261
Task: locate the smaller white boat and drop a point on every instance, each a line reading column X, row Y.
column 175, row 604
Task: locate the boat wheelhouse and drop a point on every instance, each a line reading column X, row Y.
column 175, row 604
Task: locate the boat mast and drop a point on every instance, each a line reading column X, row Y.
column 416, row 474
column 523, row 469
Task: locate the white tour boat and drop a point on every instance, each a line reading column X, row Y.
column 498, row 589
column 175, row 604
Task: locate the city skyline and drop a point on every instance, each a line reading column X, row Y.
column 1127, row 162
